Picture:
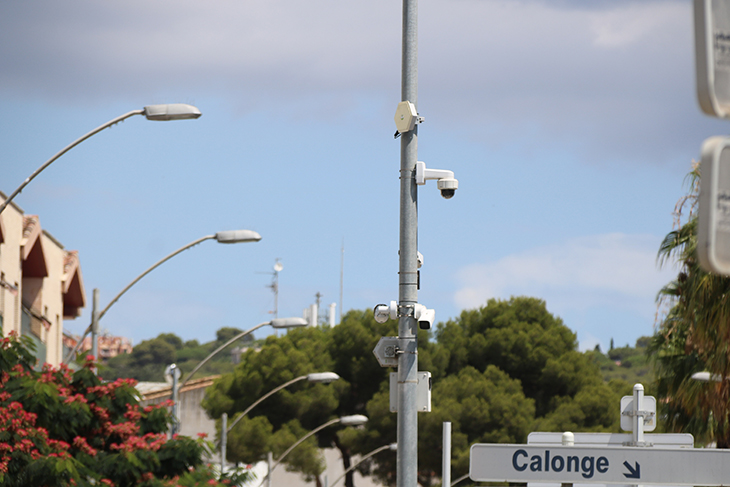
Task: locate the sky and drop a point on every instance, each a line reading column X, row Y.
column 570, row 126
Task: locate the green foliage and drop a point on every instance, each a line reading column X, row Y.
column 628, row 364
column 694, row 334
column 61, row 429
column 498, row 371
column 522, row 338
column 148, row 360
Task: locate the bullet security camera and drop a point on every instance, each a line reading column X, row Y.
column 425, row 317
column 447, row 184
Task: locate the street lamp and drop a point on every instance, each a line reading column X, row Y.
column 392, row 447
column 316, row 377
column 175, row 111
column 706, row 377
column 275, row 323
column 227, row 237
column 353, row 420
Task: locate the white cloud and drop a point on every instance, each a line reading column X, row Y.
column 633, row 24
column 611, row 270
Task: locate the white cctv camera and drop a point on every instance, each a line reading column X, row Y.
column 425, row 317
column 447, row 184
column 385, row 312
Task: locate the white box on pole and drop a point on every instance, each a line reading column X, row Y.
column 712, row 54
column 713, row 226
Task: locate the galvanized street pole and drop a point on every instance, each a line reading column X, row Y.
column 407, row 460
column 95, row 326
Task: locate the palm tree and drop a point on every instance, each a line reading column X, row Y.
column 694, row 334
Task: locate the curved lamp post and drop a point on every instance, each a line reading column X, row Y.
column 392, row 447
column 317, row 377
column 275, row 323
column 228, row 237
column 354, row 420
column 175, row 111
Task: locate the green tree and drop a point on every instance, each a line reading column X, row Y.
column 694, row 334
column 520, row 337
column 62, row 429
column 294, row 410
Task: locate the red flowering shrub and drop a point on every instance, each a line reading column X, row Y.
column 59, row 428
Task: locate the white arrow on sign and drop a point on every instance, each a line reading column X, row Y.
column 566, row 464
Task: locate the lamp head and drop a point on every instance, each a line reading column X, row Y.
column 174, row 111
column 354, row 420
column 237, row 236
column 322, row 377
column 288, row 322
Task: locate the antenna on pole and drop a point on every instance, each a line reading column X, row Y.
column 342, row 274
column 274, row 286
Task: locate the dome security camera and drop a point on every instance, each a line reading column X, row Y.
column 447, row 184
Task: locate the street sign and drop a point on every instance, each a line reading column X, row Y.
column 713, row 227
column 570, row 464
column 423, row 392
column 386, row 351
column 648, row 405
column 712, row 55
column 660, row 440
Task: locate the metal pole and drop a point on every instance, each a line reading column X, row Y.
column 638, row 418
column 175, row 404
column 568, row 439
column 224, row 440
column 446, row 455
column 269, row 462
column 95, row 325
column 407, row 463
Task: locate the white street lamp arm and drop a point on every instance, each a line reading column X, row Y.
column 259, row 400
column 353, row 467
column 300, row 440
column 215, row 352
column 66, row 149
column 135, row 281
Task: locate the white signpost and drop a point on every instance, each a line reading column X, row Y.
column 605, row 458
column 610, row 465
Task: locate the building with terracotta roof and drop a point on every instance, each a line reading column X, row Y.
column 40, row 283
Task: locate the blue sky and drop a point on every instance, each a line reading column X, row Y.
column 569, row 126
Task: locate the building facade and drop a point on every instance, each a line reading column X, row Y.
column 40, row 283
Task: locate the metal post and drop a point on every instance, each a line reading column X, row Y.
column 638, row 418
column 407, row 463
column 269, row 462
column 446, row 458
column 95, row 326
column 175, row 400
column 568, row 439
column 224, row 440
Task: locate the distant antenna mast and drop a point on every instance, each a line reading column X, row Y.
column 342, row 275
column 274, row 286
